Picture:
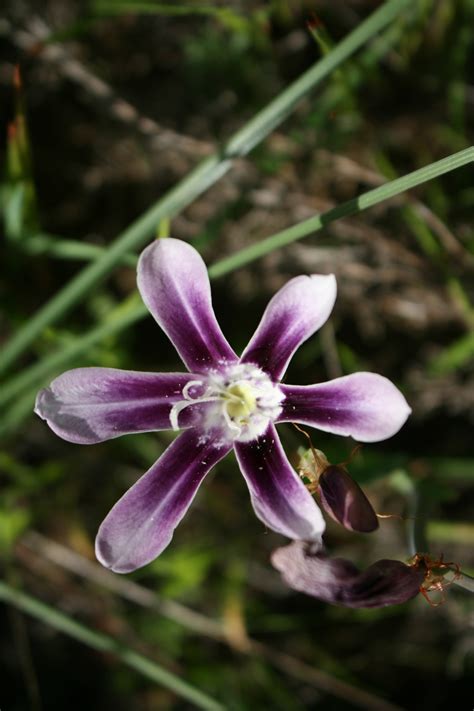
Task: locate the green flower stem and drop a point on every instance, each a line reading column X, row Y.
column 346, row 209
column 201, row 178
column 69, row 249
column 104, row 643
column 33, row 375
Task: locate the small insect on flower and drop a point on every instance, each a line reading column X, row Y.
column 438, row 576
column 341, row 497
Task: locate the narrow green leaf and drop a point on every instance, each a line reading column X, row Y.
column 198, row 181
column 454, row 357
column 119, row 7
column 68, row 249
column 104, row 643
column 32, row 375
column 19, row 193
column 124, row 316
column 346, row 209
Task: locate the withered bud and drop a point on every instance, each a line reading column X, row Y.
column 340, row 582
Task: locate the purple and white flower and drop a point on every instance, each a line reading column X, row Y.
column 223, row 402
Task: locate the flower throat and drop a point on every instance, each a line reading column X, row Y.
column 242, row 398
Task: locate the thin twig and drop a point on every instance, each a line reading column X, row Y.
column 84, row 568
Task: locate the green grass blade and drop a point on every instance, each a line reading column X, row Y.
column 68, row 249
column 33, row 375
column 197, row 182
column 266, row 120
column 453, row 357
column 118, row 7
column 104, row 643
column 346, row 209
column 18, row 206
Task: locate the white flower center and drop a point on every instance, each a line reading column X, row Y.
column 244, row 399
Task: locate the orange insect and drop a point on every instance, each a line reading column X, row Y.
column 438, row 576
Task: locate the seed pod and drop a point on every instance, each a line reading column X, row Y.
column 344, row 500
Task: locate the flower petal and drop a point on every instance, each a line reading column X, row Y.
column 142, row 522
column 173, row 282
column 89, row 405
column 338, row 581
column 345, row 501
column 292, row 316
column 278, row 495
column 365, row 406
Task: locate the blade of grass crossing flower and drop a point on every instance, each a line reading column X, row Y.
column 123, row 316
column 69, row 249
column 413, row 219
column 104, row 643
column 346, row 209
column 197, row 182
column 34, row 374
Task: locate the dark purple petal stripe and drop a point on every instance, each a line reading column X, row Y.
column 142, row 522
column 278, row 495
column 173, row 282
column 338, row 581
column 292, row 316
column 365, row 406
column 89, row 405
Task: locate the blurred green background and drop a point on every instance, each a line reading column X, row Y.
column 116, row 102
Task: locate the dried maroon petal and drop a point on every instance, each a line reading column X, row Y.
column 345, row 501
column 339, row 582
